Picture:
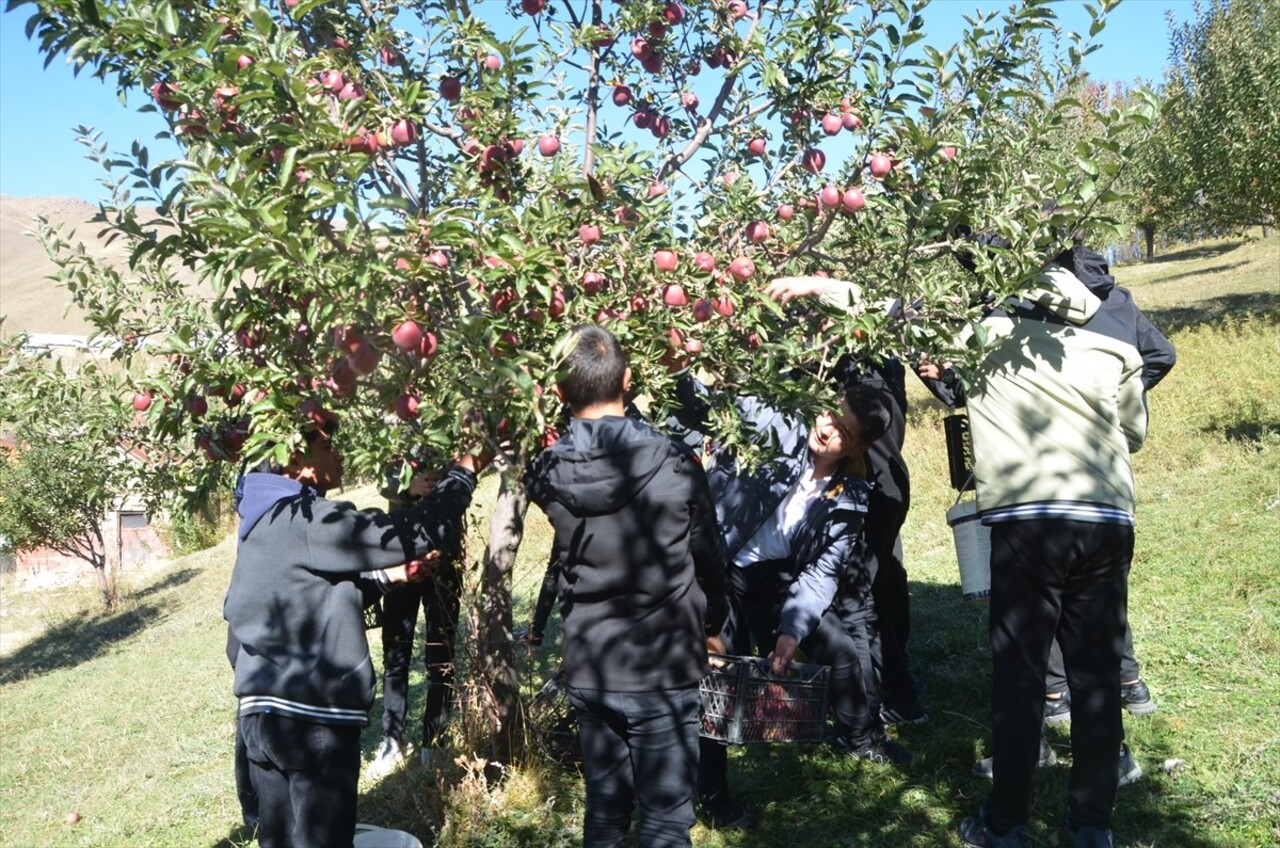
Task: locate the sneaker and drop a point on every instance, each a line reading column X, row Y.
column 985, row 768
column 390, row 754
column 974, row 833
column 723, row 813
column 1057, row 711
column 1136, row 698
column 912, row 714
column 1090, row 837
column 883, row 751
column 426, row 756
column 1129, row 769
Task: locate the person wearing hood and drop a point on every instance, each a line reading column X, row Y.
column 1119, row 317
column 1056, row 405
column 641, row 586
column 305, row 568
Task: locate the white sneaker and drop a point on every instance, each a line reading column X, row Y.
column 390, row 754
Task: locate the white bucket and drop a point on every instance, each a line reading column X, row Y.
column 372, row 836
column 973, row 550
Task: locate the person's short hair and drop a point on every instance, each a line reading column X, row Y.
column 872, row 413
column 593, row 369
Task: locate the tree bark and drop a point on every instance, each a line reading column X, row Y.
column 1149, row 233
column 499, row 684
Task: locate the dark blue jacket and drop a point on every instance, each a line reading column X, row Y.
column 826, row 548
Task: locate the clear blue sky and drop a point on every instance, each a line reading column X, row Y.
column 38, row 108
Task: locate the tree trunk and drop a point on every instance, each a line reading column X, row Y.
column 1149, row 233
column 499, row 685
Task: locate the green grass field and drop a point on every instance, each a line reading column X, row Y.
column 128, row 718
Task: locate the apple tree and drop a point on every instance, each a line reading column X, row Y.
column 396, row 210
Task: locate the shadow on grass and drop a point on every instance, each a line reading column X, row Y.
column 1249, row 433
column 1175, row 318
column 89, row 634
column 1199, row 272
column 240, row 836
column 1209, row 251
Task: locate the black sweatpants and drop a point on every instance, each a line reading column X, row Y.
column 440, row 600
column 892, row 598
column 1069, row 578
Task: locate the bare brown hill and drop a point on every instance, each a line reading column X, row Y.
column 29, row 300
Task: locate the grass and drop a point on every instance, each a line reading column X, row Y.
column 128, row 718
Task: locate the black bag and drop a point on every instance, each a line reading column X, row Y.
column 959, row 451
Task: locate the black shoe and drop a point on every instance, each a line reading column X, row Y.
column 1137, row 699
column 985, row 768
column 883, row 750
column 723, row 813
column 1057, row 711
column 974, row 833
column 1128, row 767
column 898, row 715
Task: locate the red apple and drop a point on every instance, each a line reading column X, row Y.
column 340, row 43
column 549, row 145
column 665, row 260
column 786, row 211
column 243, row 61
column 813, row 160
column 638, row 302
column 333, row 80
column 236, row 394
column 657, row 189
column 642, row 119
column 407, row 335
column 640, row 48
column 730, row 178
column 621, row 95
column 502, row 300
column 365, row 360
column 197, row 406
column 702, row 310
column 674, row 13
column 429, row 346
column 879, row 165
column 689, row 100
column 737, row 9
column 388, row 54
column 556, row 306
column 949, row 152
column 850, row 121
column 704, row 262
column 723, row 305
column 693, row 345
column 351, row 91
column 493, row 61
column 593, row 282
column 438, row 259
column 653, row 64
column 73, row 817
column 549, row 437
column 162, row 93
column 661, row 126
column 657, row 29
column 313, row 411
column 829, row 196
column 404, row 131
column 757, row 232
column 852, row 200
column 142, row 400
column 674, row 296
column 589, row 233
column 742, row 268
column 831, row 123
column 450, row 88
column 532, row 7
column 407, row 407
column 756, row 146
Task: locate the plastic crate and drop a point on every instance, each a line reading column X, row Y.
column 743, row 703
column 552, row 717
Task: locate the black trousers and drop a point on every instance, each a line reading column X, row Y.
column 307, row 776
column 1065, row 578
column 892, row 598
column 1056, row 678
column 639, row 749
column 440, row 600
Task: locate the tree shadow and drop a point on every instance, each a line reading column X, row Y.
column 91, row 633
column 1207, row 251
column 1199, row 272
column 1174, row 318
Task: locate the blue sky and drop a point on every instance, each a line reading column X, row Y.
column 38, row 108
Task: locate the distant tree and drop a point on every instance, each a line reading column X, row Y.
column 67, row 465
column 1223, row 127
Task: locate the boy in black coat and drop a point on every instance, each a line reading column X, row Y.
column 642, row 596
column 304, row 568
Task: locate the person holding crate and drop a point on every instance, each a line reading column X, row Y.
column 641, row 584
column 792, row 529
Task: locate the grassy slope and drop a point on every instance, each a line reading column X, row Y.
column 128, row 719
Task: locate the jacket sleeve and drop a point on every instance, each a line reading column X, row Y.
column 344, row 539
column 546, row 599
column 707, row 546
column 1131, row 402
column 815, row 586
column 1158, row 354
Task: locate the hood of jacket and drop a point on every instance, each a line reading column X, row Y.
column 258, row 493
column 1090, row 268
column 601, row 463
column 1057, row 296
